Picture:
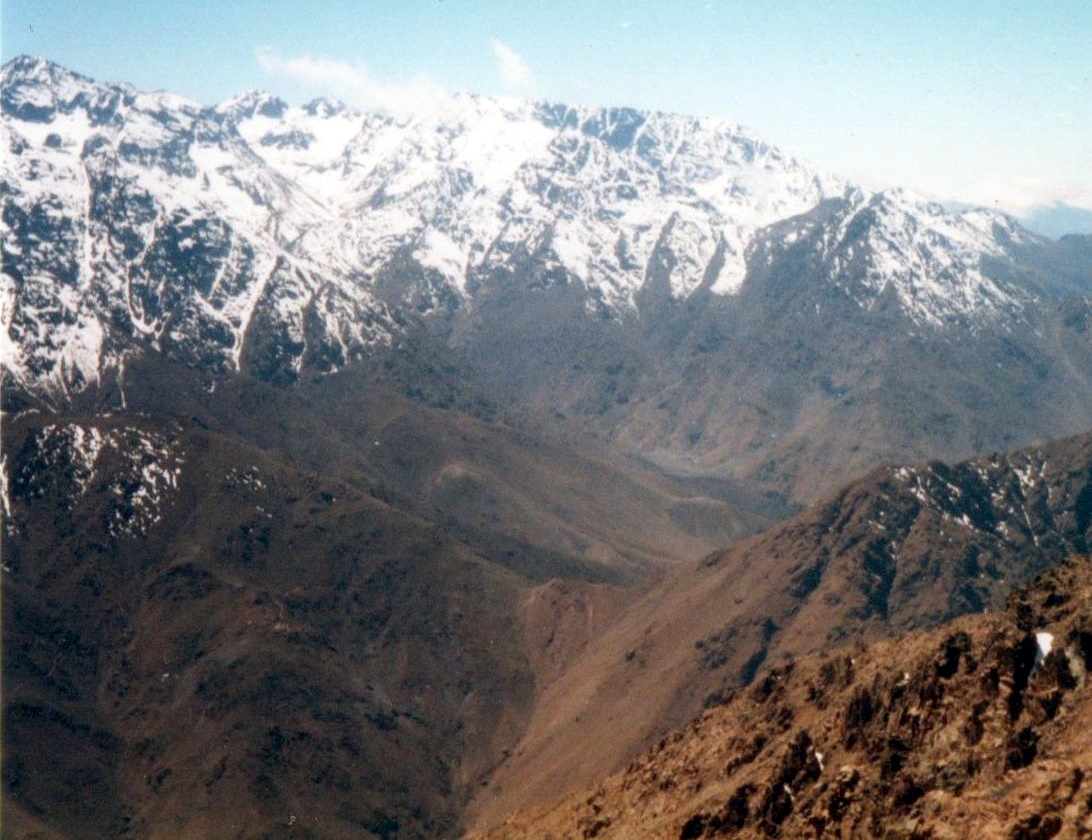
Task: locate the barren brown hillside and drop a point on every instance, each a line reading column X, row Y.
column 982, row 728
column 904, row 548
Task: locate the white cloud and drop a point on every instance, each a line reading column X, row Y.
column 353, row 82
column 513, row 69
column 1019, row 195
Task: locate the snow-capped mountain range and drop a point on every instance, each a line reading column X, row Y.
column 257, row 235
column 318, row 437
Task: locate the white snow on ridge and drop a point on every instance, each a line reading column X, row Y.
column 153, row 150
column 481, row 173
column 930, row 257
column 300, row 144
column 1045, row 643
column 5, row 495
column 139, row 479
column 295, row 212
column 439, row 251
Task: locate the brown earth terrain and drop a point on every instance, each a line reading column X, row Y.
column 364, row 626
column 981, row 728
column 903, row 548
column 254, row 619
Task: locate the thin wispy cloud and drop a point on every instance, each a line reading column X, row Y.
column 1022, row 195
column 513, row 69
column 353, row 82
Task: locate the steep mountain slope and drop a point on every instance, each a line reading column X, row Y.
column 677, row 284
column 471, row 189
column 977, row 729
column 901, row 549
column 818, row 369
column 136, row 220
column 185, row 231
column 227, row 609
column 437, row 334
column 219, row 647
column 452, row 462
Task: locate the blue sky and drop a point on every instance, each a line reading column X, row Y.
column 988, row 102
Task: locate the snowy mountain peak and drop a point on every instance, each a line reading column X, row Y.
column 141, row 221
column 257, row 234
column 324, row 106
column 38, row 90
column 34, row 89
column 27, row 70
column 592, row 191
column 253, row 103
column 929, row 258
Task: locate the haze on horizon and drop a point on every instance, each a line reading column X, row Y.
column 979, row 102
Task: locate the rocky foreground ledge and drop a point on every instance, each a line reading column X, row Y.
column 982, row 728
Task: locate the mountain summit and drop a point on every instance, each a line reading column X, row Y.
column 628, row 268
column 338, row 446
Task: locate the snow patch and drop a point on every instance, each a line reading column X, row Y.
column 1045, row 642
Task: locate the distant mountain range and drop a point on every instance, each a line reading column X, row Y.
column 685, row 289
column 320, row 421
column 1058, row 220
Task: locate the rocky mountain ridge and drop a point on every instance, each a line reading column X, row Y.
column 676, row 285
column 980, row 728
column 902, row 549
column 139, row 219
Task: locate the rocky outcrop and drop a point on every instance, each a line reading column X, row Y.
column 904, row 548
column 978, row 729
